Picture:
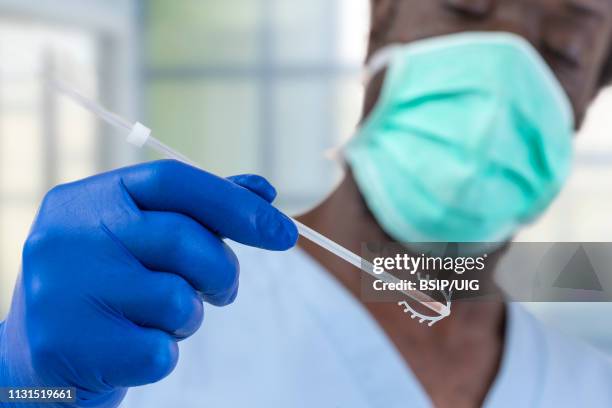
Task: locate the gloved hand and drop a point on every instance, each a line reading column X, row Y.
column 112, row 269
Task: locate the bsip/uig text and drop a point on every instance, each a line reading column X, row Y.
column 423, row 265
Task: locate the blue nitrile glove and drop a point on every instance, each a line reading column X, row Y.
column 110, row 273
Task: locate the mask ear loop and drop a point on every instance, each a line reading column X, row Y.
column 376, row 63
column 379, row 61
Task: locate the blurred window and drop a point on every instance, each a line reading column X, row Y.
column 265, row 86
column 43, row 141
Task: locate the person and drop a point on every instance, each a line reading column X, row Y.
column 115, row 265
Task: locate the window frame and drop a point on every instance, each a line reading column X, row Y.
column 113, row 25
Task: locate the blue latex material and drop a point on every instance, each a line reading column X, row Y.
column 112, row 269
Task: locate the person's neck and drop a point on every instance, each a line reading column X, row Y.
column 344, row 218
column 474, row 329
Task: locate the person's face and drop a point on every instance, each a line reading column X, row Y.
column 574, row 36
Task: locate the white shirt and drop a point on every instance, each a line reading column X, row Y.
column 296, row 338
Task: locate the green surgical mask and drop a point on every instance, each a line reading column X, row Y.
column 469, row 140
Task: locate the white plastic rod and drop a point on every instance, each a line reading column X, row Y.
column 140, row 135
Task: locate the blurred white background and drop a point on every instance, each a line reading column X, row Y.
column 263, row 86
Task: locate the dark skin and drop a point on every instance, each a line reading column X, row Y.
column 457, row 360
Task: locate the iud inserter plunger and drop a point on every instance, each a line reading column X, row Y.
column 140, row 135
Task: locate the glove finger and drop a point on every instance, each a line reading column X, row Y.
column 158, row 300
column 129, row 357
column 218, row 204
column 255, row 184
column 175, row 243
